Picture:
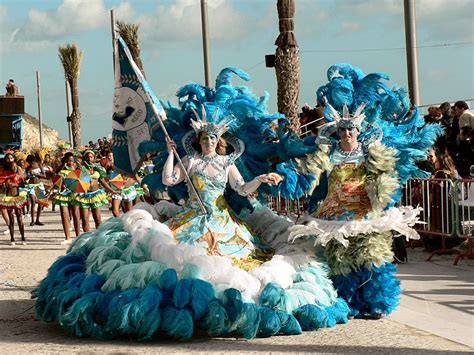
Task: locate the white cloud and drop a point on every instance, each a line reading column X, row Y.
column 3, row 11
column 445, row 21
column 181, row 21
column 175, row 22
column 72, row 16
column 349, row 27
column 364, row 8
column 44, row 28
column 310, row 19
column 426, row 8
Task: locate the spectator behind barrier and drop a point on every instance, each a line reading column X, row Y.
column 464, row 156
column 443, row 164
column 466, row 118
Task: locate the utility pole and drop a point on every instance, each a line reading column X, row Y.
column 38, row 92
column 411, row 49
column 205, row 43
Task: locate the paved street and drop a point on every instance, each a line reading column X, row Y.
column 444, row 291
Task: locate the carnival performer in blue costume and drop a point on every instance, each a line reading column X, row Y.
column 198, row 271
column 362, row 160
column 211, row 169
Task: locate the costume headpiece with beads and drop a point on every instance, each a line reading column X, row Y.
column 211, row 128
column 347, row 120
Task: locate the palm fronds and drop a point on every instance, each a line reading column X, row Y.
column 71, row 56
column 129, row 33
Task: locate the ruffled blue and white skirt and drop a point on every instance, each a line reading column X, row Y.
column 131, row 278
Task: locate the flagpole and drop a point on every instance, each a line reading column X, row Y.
column 180, row 162
column 40, row 120
column 144, row 84
column 114, row 35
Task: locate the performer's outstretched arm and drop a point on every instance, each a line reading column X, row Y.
column 245, row 188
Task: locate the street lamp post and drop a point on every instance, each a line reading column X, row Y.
column 412, row 61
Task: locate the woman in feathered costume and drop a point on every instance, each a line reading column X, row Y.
column 199, row 270
column 210, row 168
column 362, row 161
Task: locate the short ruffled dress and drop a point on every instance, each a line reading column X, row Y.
column 92, row 199
column 12, row 202
column 62, row 196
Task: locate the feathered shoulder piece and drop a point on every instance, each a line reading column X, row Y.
column 381, row 159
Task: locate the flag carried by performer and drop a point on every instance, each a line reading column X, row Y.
column 135, row 110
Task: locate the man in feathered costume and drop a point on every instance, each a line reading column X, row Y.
column 362, row 160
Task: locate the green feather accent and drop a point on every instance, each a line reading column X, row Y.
column 381, row 159
column 380, row 191
column 382, row 179
column 315, row 164
column 107, row 268
column 367, row 250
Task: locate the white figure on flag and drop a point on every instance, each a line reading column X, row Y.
column 134, row 117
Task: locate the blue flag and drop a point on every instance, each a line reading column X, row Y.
column 136, row 111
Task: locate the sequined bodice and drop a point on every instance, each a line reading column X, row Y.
column 347, row 198
column 209, row 177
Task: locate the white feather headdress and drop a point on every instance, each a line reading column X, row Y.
column 211, row 128
column 347, row 120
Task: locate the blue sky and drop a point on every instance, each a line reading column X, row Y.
column 242, row 32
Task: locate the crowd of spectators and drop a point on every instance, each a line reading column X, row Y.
column 457, row 143
column 453, row 152
column 102, row 146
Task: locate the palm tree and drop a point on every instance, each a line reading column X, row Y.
column 287, row 65
column 71, row 56
column 129, row 33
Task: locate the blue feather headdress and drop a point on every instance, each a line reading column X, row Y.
column 389, row 116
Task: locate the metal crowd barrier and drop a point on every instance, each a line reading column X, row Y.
column 466, row 216
column 448, row 210
column 305, row 129
column 288, row 207
column 434, row 196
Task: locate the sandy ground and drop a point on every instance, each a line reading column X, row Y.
column 23, row 266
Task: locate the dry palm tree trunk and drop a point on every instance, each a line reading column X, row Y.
column 76, row 116
column 71, row 56
column 287, row 65
column 129, row 33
